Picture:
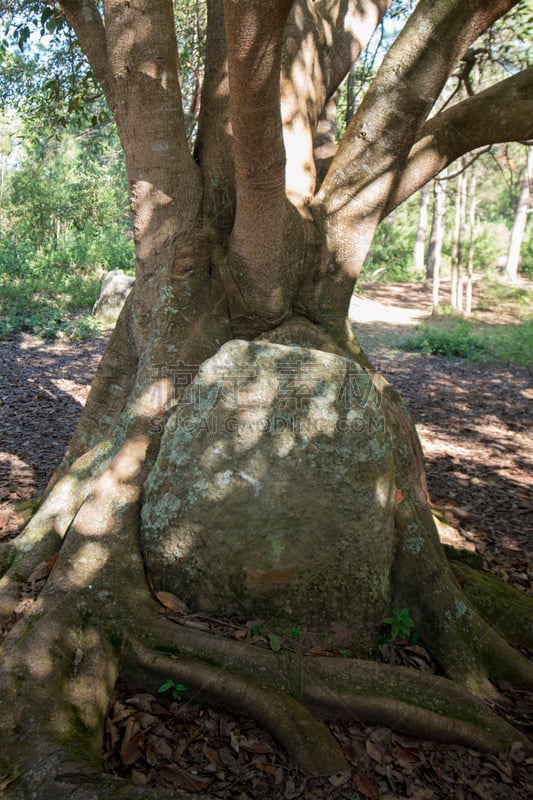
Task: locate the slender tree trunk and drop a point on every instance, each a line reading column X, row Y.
column 458, row 231
column 520, row 220
column 471, row 245
column 420, row 243
column 461, row 244
column 435, row 240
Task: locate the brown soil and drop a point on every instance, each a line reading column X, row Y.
column 475, row 425
column 474, row 421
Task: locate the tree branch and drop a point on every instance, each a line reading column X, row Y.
column 322, row 41
column 259, row 286
column 501, row 113
column 214, row 146
column 402, row 94
column 84, row 18
column 365, row 169
column 351, row 25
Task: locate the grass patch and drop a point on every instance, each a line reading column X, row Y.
column 508, row 344
column 496, row 291
column 49, row 300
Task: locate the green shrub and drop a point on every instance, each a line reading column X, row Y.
column 49, row 299
column 459, row 339
column 64, row 222
column 391, row 257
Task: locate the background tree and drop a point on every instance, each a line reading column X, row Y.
column 434, row 253
column 239, row 241
column 420, row 242
column 520, row 219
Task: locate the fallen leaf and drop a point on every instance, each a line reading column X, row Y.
column 211, row 754
column 375, row 752
column 141, row 700
column 52, row 562
column 404, row 756
column 319, row 650
column 132, row 748
column 182, row 779
column 270, row 769
column 139, row 778
column 5, row 780
column 121, row 712
column 256, row 746
column 292, row 791
column 172, row 603
column 365, row 785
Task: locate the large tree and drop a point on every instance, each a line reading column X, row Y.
column 253, row 235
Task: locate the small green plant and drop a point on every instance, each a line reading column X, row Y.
column 257, row 629
column 275, row 642
column 85, row 327
column 344, row 652
column 400, row 623
column 296, row 632
column 176, row 689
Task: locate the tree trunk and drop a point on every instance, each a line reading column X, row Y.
column 420, row 242
column 520, row 219
column 230, row 247
column 461, row 245
column 456, row 292
column 471, row 245
column 435, row 240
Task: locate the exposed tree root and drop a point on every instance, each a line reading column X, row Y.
column 306, row 739
column 42, row 537
column 400, row 697
column 60, row 665
column 504, row 607
column 467, row 648
column 96, row 619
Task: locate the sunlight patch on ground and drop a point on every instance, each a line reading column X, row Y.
column 363, row 310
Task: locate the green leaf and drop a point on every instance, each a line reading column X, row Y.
column 168, row 684
column 275, row 642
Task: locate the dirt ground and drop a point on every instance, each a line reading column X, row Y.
column 474, row 421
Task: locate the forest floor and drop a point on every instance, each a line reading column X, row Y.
column 474, row 420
